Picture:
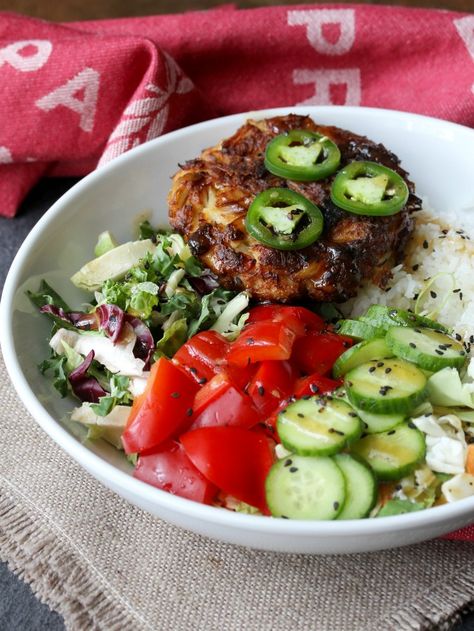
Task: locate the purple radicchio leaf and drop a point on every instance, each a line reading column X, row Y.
column 204, row 284
column 145, row 344
column 111, row 319
column 84, row 387
column 75, row 319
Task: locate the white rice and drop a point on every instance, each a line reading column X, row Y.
column 436, row 278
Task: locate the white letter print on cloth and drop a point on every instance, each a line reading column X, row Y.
column 145, row 118
column 324, row 79
column 465, row 28
column 316, row 19
column 12, row 54
column 5, row 156
column 86, row 80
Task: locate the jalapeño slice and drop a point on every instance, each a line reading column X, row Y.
column 302, row 155
column 283, row 219
column 368, row 188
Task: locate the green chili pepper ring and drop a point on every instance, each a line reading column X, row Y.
column 302, row 155
column 368, row 188
column 284, row 220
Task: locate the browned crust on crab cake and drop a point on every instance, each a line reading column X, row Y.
column 210, row 197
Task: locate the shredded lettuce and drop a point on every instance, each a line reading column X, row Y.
column 119, row 395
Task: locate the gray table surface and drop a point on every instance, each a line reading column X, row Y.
column 19, row 609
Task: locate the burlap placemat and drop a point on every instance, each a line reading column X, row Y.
column 104, row 564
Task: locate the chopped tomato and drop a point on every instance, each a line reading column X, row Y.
column 299, row 319
column 169, row 468
column 162, row 410
column 272, row 382
column 236, row 460
column 317, row 352
column 315, row 384
column 203, row 355
column 223, row 404
column 261, row 341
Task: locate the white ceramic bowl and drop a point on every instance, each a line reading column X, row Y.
column 438, row 156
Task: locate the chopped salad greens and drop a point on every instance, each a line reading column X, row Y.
column 265, row 409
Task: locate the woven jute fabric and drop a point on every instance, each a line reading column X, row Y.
column 104, row 564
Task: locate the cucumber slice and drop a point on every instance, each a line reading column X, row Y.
column 376, row 423
column 360, row 354
column 318, row 426
column 386, row 386
column 359, row 330
column 387, row 317
column 302, row 487
column 361, row 487
column 430, row 350
column 392, row 454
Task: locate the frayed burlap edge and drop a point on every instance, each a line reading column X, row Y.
column 57, row 575
column 439, row 608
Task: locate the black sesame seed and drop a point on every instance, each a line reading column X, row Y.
column 353, row 414
column 336, row 505
column 193, row 370
column 306, row 397
column 425, row 244
column 398, row 487
column 456, row 291
column 388, row 370
column 412, row 344
column 471, row 339
column 284, row 517
column 202, row 381
column 391, row 432
column 372, row 369
column 299, row 415
column 175, row 395
column 293, row 469
column 415, row 267
column 411, row 425
column 460, row 295
column 189, row 412
column 288, row 462
column 445, row 231
column 433, row 294
column 314, row 388
column 250, row 341
column 261, row 390
column 380, row 364
column 438, row 352
column 458, row 337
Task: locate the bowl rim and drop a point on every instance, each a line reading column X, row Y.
column 148, row 494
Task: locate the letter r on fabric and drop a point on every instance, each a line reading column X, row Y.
column 465, row 28
column 17, row 56
column 87, row 81
column 324, row 79
column 316, row 19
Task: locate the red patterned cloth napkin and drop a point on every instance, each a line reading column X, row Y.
column 74, row 97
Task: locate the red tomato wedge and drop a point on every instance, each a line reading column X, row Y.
column 272, row 382
column 162, row 410
column 203, row 355
column 315, row 384
column 169, row 468
column 220, row 402
column 236, row 460
column 261, row 341
column 299, row 319
column 317, row 352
